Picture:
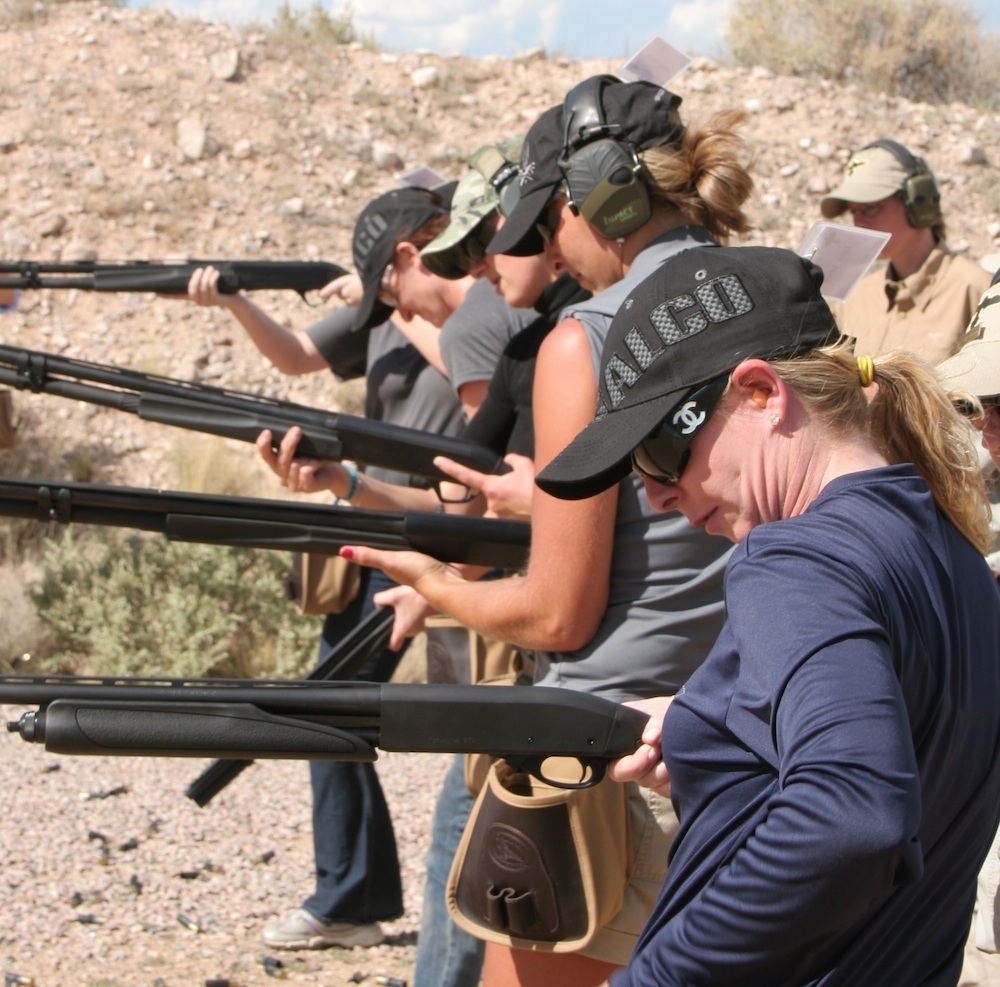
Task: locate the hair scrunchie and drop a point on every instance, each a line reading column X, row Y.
column 866, row 370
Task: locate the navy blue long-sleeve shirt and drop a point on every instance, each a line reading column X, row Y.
column 834, row 763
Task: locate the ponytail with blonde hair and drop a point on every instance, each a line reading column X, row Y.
column 908, row 417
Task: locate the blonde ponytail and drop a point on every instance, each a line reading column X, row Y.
column 908, row 417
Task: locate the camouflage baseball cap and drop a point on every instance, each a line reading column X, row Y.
column 975, row 368
column 476, row 197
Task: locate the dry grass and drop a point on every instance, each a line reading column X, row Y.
column 20, row 627
column 221, row 467
column 930, row 51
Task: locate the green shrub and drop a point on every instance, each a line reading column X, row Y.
column 120, row 605
column 318, row 27
column 930, row 51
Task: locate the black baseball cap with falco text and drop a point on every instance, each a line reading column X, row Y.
column 697, row 317
column 383, row 223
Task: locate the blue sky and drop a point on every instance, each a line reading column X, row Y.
column 577, row 28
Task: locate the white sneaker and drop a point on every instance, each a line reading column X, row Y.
column 303, row 931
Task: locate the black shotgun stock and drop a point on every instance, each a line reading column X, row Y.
column 249, row 522
column 241, row 416
column 338, row 721
column 170, row 279
column 362, row 645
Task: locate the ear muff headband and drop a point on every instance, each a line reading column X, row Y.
column 921, row 197
column 602, row 174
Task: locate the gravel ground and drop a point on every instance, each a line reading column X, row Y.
column 112, row 878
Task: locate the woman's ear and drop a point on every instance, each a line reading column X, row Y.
column 407, row 251
column 760, row 385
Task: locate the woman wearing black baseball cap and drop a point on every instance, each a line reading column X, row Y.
column 834, row 762
column 616, row 601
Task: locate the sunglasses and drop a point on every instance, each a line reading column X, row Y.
column 459, row 259
column 967, row 407
column 549, row 224
column 509, row 192
column 473, row 247
column 664, row 453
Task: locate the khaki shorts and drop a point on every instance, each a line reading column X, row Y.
column 654, row 826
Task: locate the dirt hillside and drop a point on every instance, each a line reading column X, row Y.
column 136, row 135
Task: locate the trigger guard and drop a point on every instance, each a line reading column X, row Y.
column 592, row 771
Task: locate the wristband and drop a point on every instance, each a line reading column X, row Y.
column 353, row 488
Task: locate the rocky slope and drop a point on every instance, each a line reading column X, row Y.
column 132, row 134
column 135, row 135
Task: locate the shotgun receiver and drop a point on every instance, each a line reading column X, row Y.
column 170, row 279
column 237, row 415
column 345, row 721
column 250, row 522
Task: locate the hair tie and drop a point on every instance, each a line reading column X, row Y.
column 866, row 370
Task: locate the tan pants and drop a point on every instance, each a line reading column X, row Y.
column 654, row 826
column 981, row 969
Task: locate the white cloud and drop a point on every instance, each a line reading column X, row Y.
column 456, row 25
column 697, row 25
column 579, row 28
column 236, row 12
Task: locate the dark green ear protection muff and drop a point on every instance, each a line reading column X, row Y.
column 602, row 174
column 921, row 197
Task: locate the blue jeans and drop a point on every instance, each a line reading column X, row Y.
column 354, row 847
column 446, row 955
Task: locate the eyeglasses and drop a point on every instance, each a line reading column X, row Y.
column 664, row 453
column 386, row 292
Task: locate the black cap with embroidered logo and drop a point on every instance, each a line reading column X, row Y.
column 697, row 317
column 537, row 179
column 382, row 224
column 641, row 114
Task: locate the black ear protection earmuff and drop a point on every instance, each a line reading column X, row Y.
column 602, row 174
column 921, row 197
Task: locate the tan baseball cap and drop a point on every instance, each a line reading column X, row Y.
column 975, row 368
column 872, row 174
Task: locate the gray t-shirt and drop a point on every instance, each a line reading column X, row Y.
column 665, row 592
column 475, row 335
column 401, row 386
